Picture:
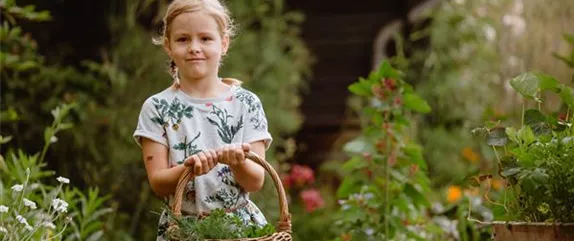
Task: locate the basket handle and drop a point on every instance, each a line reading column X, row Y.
column 284, row 223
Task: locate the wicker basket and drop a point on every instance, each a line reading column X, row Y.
column 283, row 229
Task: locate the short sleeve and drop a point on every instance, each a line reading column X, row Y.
column 150, row 124
column 256, row 128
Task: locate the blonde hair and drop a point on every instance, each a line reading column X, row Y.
column 213, row 7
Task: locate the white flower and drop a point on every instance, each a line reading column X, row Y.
column 29, row 227
column 3, row 209
column 53, row 139
column 29, row 203
column 490, row 33
column 60, row 205
column 17, row 187
column 63, row 180
column 49, row 225
column 22, row 220
column 3, row 230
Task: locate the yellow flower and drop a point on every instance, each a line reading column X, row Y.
column 453, row 194
column 496, row 184
column 469, row 154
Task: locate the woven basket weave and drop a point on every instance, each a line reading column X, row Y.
column 283, row 228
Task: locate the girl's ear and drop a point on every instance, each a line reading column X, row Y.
column 166, row 47
column 224, row 44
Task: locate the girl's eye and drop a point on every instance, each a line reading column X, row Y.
column 205, row 38
column 181, row 39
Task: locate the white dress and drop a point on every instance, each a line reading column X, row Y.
column 187, row 125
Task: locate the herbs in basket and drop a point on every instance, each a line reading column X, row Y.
column 217, row 225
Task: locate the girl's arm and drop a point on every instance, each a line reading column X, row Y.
column 162, row 179
column 249, row 174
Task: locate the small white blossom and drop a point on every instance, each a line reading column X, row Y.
column 369, row 231
column 60, row 205
column 53, row 139
column 3, row 230
column 22, row 220
column 490, row 33
column 63, row 180
column 29, row 227
column 17, row 188
column 29, row 203
column 49, row 225
column 3, row 209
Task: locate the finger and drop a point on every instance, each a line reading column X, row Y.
column 204, row 164
column 197, row 166
column 239, row 155
column 227, row 155
column 214, row 157
column 189, row 161
column 210, row 160
column 246, row 147
column 220, row 155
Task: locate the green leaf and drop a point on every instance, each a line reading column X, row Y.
column 511, row 171
column 354, row 164
column 537, row 121
column 567, row 95
column 497, row 137
column 348, row 186
column 416, row 103
column 415, row 153
column 526, row 84
column 358, row 145
column 361, row 88
column 526, row 135
column 548, row 82
column 387, row 71
column 5, row 139
column 415, row 195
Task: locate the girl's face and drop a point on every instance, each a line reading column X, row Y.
column 195, row 44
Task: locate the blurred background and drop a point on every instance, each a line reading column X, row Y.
column 299, row 57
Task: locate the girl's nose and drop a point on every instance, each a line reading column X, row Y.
column 193, row 47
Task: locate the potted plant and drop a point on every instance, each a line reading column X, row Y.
column 536, row 159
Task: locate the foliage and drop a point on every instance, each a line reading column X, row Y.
column 536, row 159
column 217, row 225
column 385, row 190
column 456, row 73
column 33, row 210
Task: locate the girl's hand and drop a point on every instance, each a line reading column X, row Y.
column 233, row 155
column 202, row 162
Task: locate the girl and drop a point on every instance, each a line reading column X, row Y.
column 202, row 121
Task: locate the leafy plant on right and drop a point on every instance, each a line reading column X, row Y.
column 536, row 158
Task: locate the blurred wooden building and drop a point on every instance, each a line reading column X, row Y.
column 344, row 37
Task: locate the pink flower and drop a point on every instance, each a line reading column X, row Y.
column 301, row 175
column 312, row 199
column 209, row 104
column 286, row 180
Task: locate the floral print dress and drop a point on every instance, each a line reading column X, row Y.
column 186, row 126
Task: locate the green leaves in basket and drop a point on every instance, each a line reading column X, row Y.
column 218, row 225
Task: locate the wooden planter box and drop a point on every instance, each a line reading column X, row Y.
column 507, row 231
